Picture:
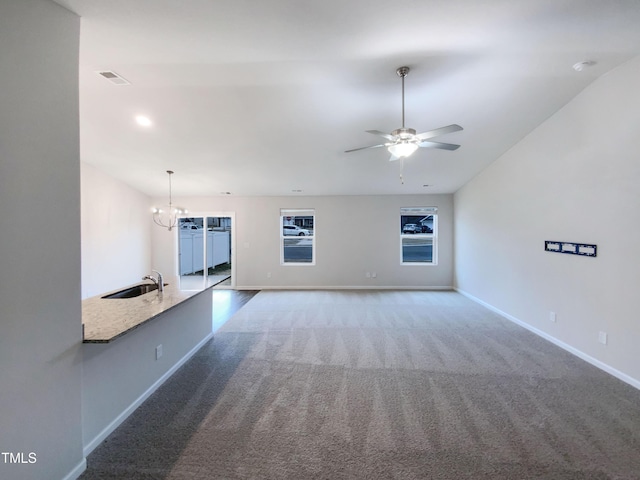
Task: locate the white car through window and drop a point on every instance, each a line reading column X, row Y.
column 294, row 230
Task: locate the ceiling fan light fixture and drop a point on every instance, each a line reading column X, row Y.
column 403, row 142
column 402, row 149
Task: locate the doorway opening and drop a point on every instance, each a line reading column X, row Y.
column 205, row 252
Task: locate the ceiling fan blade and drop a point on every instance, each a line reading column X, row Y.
column 364, row 148
column 382, row 134
column 443, row 146
column 439, row 131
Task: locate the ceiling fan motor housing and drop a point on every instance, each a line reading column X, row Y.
column 404, row 133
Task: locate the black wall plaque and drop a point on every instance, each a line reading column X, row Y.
column 584, row 249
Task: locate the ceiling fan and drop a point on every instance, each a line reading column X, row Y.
column 402, row 142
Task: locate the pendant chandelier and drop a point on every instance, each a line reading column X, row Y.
column 169, row 218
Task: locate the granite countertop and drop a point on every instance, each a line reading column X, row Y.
column 104, row 320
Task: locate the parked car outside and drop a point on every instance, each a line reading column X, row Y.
column 294, row 230
column 414, row 228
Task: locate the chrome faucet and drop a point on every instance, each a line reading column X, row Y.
column 159, row 282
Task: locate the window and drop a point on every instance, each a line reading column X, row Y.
column 297, row 237
column 418, row 235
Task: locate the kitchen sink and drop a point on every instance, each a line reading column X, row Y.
column 134, row 291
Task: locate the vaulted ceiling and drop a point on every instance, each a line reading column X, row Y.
column 263, row 97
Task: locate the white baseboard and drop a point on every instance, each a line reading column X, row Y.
column 346, row 287
column 565, row 346
column 89, row 447
column 77, row 470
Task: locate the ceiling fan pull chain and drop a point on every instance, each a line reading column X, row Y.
column 401, row 170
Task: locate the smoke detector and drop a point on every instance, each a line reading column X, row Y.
column 580, row 66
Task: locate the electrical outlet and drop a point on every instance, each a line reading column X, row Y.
column 158, row 351
column 374, row 275
column 552, row 317
column 268, row 274
column 368, row 274
column 602, row 337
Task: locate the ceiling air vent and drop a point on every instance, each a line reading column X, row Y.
column 113, row 77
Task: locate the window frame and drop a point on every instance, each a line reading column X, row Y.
column 297, row 212
column 419, row 211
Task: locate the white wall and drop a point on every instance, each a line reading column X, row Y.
column 40, row 315
column 575, row 179
column 354, row 235
column 118, row 376
column 116, row 233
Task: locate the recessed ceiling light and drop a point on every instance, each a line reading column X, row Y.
column 143, row 121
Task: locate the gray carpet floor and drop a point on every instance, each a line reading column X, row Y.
column 378, row 385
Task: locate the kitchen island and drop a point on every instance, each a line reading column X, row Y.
column 131, row 346
column 106, row 319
